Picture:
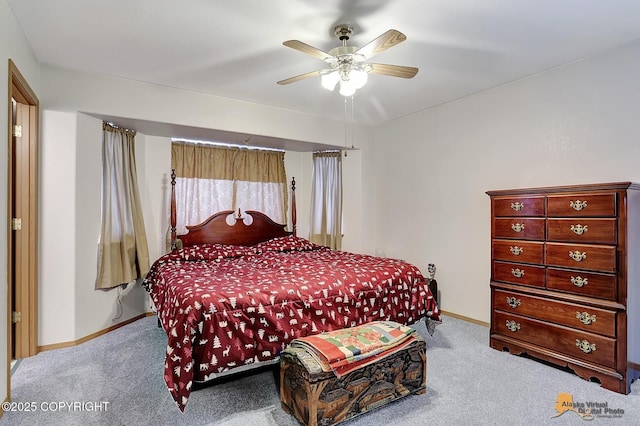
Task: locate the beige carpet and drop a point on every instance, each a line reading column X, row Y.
column 468, row 383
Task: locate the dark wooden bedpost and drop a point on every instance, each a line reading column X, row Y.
column 174, row 244
column 293, row 206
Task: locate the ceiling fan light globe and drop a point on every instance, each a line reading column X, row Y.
column 347, row 88
column 330, row 80
column 358, row 78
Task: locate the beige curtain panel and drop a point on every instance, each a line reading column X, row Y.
column 202, row 161
column 260, row 166
column 213, row 162
column 123, row 254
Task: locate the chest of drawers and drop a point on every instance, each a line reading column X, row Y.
column 565, row 278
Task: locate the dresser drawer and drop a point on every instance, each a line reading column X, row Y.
column 590, row 284
column 575, row 343
column 587, row 318
column 518, row 273
column 582, row 205
column 518, row 251
column 519, row 228
column 590, row 257
column 518, row 206
column 601, row 231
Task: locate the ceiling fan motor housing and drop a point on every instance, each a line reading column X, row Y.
column 343, row 31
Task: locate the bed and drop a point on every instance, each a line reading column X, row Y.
column 241, row 287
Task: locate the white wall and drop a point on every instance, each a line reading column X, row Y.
column 57, row 263
column 570, row 125
column 70, row 307
column 67, row 90
column 13, row 45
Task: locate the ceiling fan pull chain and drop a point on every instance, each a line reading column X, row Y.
column 346, row 136
column 353, row 121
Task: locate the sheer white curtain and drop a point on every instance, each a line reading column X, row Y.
column 212, row 178
column 123, row 254
column 326, row 199
column 197, row 199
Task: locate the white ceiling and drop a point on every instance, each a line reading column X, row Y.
column 234, row 49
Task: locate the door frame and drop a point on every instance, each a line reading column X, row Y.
column 19, row 89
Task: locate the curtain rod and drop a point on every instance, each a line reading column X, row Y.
column 111, row 127
column 224, row 145
column 327, row 153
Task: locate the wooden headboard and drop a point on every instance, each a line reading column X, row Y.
column 229, row 227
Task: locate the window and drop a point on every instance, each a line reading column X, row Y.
column 326, row 199
column 212, row 178
column 123, row 254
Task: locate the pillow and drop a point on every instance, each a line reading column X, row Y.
column 197, row 253
column 284, row 244
column 211, row 252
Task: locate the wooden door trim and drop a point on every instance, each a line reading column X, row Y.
column 19, row 89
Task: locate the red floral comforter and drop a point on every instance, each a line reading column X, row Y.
column 224, row 307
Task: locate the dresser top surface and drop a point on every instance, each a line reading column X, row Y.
column 612, row 186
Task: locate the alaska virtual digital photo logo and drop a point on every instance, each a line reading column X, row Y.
column 586, row 410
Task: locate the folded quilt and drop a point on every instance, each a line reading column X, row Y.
column 344, row 350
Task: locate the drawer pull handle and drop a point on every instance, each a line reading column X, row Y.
column 518, row 273
column 513, row 302
column 517, row 227
column 578, row 256
column 517, row 206
column 515, row 250
column 578, row 205
column 512, row 325
column 585, row 346
column 579, row 229
column 579, row 281
column 585, row 318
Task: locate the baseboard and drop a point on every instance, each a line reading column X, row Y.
column 463, row 318
column 92, row 335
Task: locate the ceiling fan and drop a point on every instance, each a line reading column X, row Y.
column 347, row 64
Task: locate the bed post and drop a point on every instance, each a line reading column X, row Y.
column 173, row 210
column 293, row 206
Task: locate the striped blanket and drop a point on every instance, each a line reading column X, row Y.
column 346, row 350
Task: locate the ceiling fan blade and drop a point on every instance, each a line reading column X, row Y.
column 394, row 70
column 308, row 49
column 382, row 43
column 301, row 77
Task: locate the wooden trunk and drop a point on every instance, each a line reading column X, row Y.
column 317, row 397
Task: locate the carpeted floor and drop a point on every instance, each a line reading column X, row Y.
column 116, row 379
